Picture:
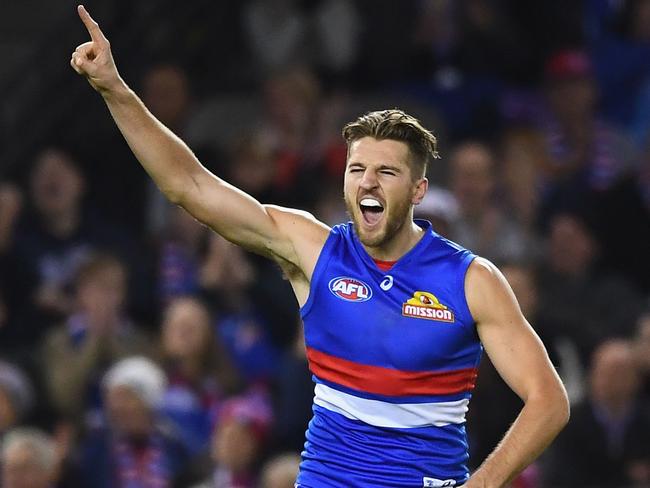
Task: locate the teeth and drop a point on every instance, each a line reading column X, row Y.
column 370, row 202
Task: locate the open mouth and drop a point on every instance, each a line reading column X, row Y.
column 371, row 210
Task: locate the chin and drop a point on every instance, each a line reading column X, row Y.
column 373, row 238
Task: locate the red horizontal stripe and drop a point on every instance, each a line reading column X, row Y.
column 387, row 381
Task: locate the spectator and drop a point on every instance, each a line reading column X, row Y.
column 135, row 448
column 523, row 156
column 292, row 100
column 199, row 371
column 16, row 397
column 280, row 471
column 181, row 250
column 254, row 168
column 52, row 240
column 239, row 440
column 607, row 441
column 586, row 155
column 29, row 460
column 243, row 327
column 226, row 274
column 593, row 164
column 579, row 301
column 619, row 61
column 482, row 225
column 96, row 333
column 166, row 92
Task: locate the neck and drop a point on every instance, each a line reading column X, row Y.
column 62, row 225
column 103, row 320
column 401, row 243
column 190, row 368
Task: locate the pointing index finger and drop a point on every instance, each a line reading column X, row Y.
column 95, row 32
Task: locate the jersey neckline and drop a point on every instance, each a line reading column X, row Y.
column 425, row 225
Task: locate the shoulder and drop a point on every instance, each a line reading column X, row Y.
column 305, row 232
column 296, row 219
column 487, row 290
column 482, row 273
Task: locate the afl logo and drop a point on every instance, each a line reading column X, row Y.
column 350, row 289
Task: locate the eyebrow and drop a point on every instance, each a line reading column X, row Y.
column 384, row 166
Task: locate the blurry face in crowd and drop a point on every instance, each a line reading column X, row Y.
column 614, row 375
column 56, row 184
column 524, row 154
column 165, row 92
column 472, row 177
column 185, row 329
column 571, row 248
column 380, row 190
column 573, row 100
column 522, row 283
column 254, row 168
column 21, row 469
column 103, row 293
column 291, row 98
column 8, row 416
column 127, row 413
column 234, row 445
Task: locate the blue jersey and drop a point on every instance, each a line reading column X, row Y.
column 394, row 355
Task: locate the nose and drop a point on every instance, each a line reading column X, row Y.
column 369, row 180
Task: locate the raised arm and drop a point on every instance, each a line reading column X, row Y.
column 289, row 236
column 521, row 360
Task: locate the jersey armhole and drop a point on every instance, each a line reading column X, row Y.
column 321, row 263
column 466, row 261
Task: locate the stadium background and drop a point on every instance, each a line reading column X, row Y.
column 543, row 115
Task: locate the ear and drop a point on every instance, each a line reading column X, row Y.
column 421, row 187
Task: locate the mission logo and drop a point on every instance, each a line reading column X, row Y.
column 350, row 289
column 425, row 305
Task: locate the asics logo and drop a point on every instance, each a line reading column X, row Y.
column 387, row 283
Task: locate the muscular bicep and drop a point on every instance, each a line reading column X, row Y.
column 510, row 342
column 286, row 235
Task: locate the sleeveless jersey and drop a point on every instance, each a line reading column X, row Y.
column 394, row 355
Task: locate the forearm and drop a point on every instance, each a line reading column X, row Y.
column 232, row 213
column 534, row 429
column 165, row 157
column 181, row 177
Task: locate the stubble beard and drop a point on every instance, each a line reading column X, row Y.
column 390, row 227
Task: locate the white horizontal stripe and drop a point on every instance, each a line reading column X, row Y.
column 396, row 415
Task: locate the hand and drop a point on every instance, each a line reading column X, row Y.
column 94, row 59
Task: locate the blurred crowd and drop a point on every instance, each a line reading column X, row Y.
column 138, row 349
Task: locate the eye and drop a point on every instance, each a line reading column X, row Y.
column 355, row 170
column 387, row 172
